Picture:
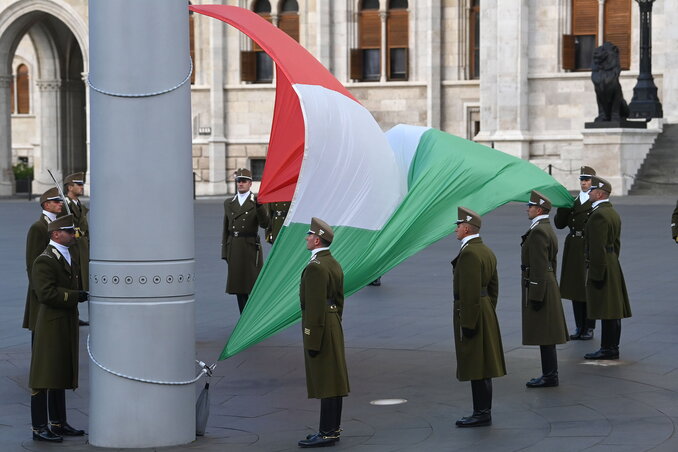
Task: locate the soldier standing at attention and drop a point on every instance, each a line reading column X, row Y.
column 573, row 273
column 74, row 187
column 36, row 241
column 674, row 221
column 321, row 295
column 543, row 319
column 54, row 362
column 240, row 245
column 606, row 296
column 477, row 340
column 277, row 212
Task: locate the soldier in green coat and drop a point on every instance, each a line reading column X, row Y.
column 240, row 244
column 74, row 187
column 477, row 339
column 543, row 318
column 277, row 212
column 55, row 280
column 321, row 294
column 606, row 295
column 674, row 221
column 36, row 241
column 573, row 271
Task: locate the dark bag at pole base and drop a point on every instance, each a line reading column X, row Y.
column 202, row 410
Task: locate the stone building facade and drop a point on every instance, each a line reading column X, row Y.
column 487, row 70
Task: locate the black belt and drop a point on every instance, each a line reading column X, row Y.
column 280, row 213
column 575, row 233
column 331, row 302
column 243, row 234
column 483, row 293
column 525, row 268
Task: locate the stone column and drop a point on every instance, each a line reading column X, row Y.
column 51, row 120
column 324, row 34
column 383, row 15
column 667, row 40
column 6, row 173
column 601, row 22
column 84, row 76
column 216, row 147
column 433, row 40
column 506, row 89
column 488, row 72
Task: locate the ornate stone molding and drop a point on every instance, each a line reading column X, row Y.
column 49, row 85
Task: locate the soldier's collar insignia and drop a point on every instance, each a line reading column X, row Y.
column 56, row 253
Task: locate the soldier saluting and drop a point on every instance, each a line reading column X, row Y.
column 477, row 340
column 240, row 244
column 606, row 295
column 321, row 295
column 573, row 272
column 543, row 318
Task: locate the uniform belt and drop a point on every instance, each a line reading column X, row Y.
column 525, row 268
column 331, row 302
column 243, row 234
column 280, row 213
column 483, row 293
column 575, row 233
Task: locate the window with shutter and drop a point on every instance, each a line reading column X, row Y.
column 369, row 42
column 22, row 90
column 289, row 18
column 257, row 68
column 397, row 42
column 618, row 28
column 474, row 40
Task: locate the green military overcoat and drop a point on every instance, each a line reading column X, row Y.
column 81, row 247
column 573, row 271
column 54, row 361
column 277, row 211
column 36, row 241
column 476, row 290
column 606, row 296
column 240, row 245
column 321, row 294
column 543, row 317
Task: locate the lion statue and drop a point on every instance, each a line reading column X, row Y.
column 605, row 70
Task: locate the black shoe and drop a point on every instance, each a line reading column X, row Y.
column 376, row 282
column 65, row 430
column 576, row 335
column 477, row 419
column 334, row 433
column 542, row 382
column 586, row 334
column 319, row 440
column 83, row 322
column 45, row 434
column 603, row 353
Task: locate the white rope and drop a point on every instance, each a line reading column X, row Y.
column 206, row 370
column 156, row 93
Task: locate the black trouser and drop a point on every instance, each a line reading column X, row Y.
column 610, row 334
column 330, row 415
column 580, row 319
column 242, row 300
column 549, row 361
column 48, row 401
column 482, row 395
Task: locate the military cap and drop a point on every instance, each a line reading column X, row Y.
column 65, row 222
column 586, row 172
column 465, row 215
column 51, row 195
column 75, row 178
column 600, row 183
column 243, row 173
column 539, row 200
column 321, row 229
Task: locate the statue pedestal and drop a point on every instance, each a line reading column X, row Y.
column 619, row 124
column 616, row 154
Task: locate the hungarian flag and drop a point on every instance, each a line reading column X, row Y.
column 387, row 195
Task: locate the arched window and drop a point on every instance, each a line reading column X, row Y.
column 22, row 90
column 255, row 65
column 474, row 40
column 586, row 33
column 366, row 60
column 289, row 18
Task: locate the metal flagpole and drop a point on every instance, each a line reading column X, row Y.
column 142, row 340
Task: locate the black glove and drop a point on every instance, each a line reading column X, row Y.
column 468, row 332
column 536, row 304
column 83, row 296
column 313, row 353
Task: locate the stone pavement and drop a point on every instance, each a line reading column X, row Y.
column 399, row 345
